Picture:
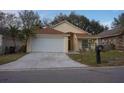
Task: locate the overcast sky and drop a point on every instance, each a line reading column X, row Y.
column 105, row 17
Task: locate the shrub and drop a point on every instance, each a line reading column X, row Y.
column 112, row 46
column 82, row 53
column 22, row 49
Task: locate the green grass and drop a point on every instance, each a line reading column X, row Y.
column 10, row 57
column 89, row 58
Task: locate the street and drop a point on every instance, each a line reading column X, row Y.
column 65, row 75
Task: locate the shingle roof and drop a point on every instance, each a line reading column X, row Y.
column 109, row 33
column 48, row 30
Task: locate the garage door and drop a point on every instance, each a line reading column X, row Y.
column 43, row 44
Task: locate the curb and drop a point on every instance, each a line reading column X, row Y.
column 33, row 69
column 62, row 68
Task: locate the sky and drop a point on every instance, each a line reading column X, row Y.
column 105, row 17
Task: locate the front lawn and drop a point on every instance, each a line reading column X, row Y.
column 110, row 58
column 10, row 57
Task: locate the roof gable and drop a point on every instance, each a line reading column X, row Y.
column 66, row 27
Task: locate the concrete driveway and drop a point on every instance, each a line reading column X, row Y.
column 41, row 60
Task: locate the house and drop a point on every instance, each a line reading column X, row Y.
column 62, row 37
column 6, row 42
column 113, row 36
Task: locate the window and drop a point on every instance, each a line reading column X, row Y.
column 85, row 44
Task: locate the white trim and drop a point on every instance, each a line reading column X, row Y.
column 88, row 37
column 51, row 35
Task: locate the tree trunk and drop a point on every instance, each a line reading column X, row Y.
column 14, row 42
column 26, row 41
column 14, row 47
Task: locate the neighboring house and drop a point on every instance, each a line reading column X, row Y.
column 62, row 37
column 113, row 36
column 7, row 42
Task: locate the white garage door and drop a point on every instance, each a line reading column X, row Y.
column 47, row 44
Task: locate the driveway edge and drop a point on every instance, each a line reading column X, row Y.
column 61, row 68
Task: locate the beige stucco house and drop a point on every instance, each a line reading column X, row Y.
column 62, row 37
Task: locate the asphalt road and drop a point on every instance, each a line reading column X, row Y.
column 67, row 75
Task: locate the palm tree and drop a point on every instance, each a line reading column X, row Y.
column 13, row 32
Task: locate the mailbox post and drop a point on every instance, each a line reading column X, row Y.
column 99, row 48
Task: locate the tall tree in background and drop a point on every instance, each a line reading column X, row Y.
column 119, row 23
column 46, row 22
column 13, row 25
column 93, row 27
column 2, row 22
column 30, row 20
column 78, row 20
column 59, row 18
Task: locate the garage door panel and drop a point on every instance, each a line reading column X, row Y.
column 48, row 45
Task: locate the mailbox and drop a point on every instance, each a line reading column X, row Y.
column 99, row 48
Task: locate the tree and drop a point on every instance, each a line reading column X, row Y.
column 29, row 20
column 46, row 22
column 13, row 25
column 84, row 23
column 59, row 18
column 2, row 22
column 95, row 27
column 73, row 18
column 77, row 20
column 119, row 23
column 13, row 33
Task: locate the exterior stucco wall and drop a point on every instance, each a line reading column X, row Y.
column 65, row 27
column 66, row 44
column 76, row 45
column 29, row 45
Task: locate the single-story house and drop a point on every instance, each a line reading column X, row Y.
column 65, row 37
column 113, row 36
column 62, row 37
column 7, row 42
